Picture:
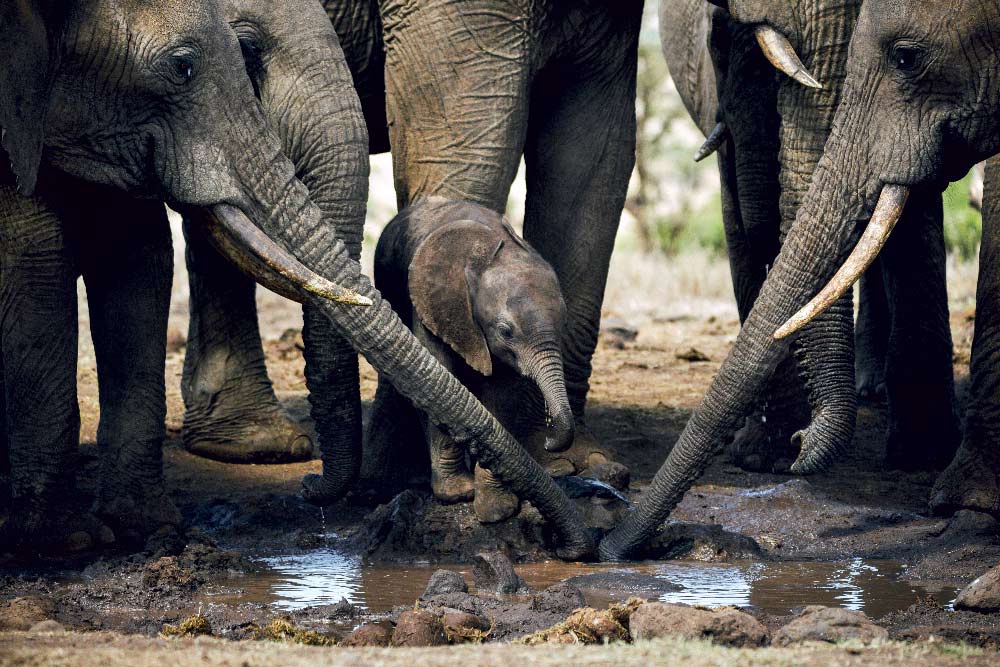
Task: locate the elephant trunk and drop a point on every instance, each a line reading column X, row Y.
column 545, row 368
column 825, row 350
column 279, row 202
column 307, row 93
column 842, row 192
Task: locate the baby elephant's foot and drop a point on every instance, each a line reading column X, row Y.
column 453, row 487
column 762, row 447
column 972, row 482
column 493, row 503
column 256, row 436
column 137, row 519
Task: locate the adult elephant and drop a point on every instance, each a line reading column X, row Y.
column 155, row 101
column 920, row 107
column 771, row 135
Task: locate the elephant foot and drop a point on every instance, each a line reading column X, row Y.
column 870, row 385
column 453, row 487
column 260, row 436
column 493, row 503
column 65, row 532
column 972, row 481
column 152, row 517
column 762, row 447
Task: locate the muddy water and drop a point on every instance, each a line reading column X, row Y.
column 325, row 576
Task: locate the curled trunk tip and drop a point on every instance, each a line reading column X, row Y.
column 715, row 139
column 891, row 203
column 780, row 52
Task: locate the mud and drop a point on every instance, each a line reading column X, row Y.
column 858, row 537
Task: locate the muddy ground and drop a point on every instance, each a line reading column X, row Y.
column 643, row 391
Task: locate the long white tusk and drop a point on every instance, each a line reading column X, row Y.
column 780, row 52
column 889, row 209
column 715, row 140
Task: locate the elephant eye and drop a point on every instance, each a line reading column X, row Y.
column 905, row 58
column 181, row 68
column 504, row 330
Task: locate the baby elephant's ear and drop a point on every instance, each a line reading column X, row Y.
column 440, row 290
column 26, row 27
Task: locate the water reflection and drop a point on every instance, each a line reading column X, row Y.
column 325, row 576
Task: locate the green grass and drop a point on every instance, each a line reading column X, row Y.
column 963, row 225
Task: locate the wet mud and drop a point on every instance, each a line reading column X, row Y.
column 858, row 537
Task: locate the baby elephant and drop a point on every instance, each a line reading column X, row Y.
column 483, row 302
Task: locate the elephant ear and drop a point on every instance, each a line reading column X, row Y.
column 440, row 289
column 25, row 80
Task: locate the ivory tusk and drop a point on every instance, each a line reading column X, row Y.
column 716, row 138
column 257, row 255
column 889, row 209
column 781, row 54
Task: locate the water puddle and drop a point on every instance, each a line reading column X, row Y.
column 325, row 576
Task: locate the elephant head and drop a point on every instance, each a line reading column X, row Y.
column 154, row 98
column 503, row 303
column 920, row 107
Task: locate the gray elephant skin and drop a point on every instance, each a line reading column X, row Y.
column 552, row 82
column 485, row 304
column 155, row 101
column 919, row 109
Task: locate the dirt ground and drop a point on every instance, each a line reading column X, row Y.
column 643, row 391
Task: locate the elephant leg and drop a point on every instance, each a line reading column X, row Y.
column 127, row 263
column 38, row 336
column 972, row 481
column 450, row 477
column 923, row 429
column 579, row 153
column 871, row 335
column 231, row 412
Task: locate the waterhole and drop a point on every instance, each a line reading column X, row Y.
column 325, row 576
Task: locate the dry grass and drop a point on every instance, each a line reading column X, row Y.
column 112, row 650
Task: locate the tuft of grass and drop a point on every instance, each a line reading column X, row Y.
column 193, row 626
column 282, row 630
column 963, row 225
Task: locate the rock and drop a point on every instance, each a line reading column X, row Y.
column 47, row 626
column 561, row 598
column 828, row 624
column 983, row 594
column 597, row 626
column 560, row 468
column 616, row 474
column 623, row 584
column 726, row 626
column 494, row 573
column 692, row 355
column 445, row 581
column 378, row 633
column 702, row 542
column 418, row 628
column 176, row 340
column 166, row 574
column 615, row 326
column 23, row 613
column 461, row 627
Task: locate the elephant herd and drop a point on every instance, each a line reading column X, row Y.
column 836, row 123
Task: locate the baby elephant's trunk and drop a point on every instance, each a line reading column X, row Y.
column 545, row 368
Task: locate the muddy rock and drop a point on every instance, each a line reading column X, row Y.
column 623, row 584
column 981, row 595
column 494, row 573
column 561, row 598
column 828, row 624
column 378, row 633
column 445, row 581
column 616, row 474
column 23, row 613
column 418, row 627
column 703, row 542
column 461, row 627
column 616, row 332
column 560, row 468
column 726, row 626
column 167, row 574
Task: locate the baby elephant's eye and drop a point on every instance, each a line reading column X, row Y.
column 906, row 58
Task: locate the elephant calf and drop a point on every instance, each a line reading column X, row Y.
column 475, row 293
